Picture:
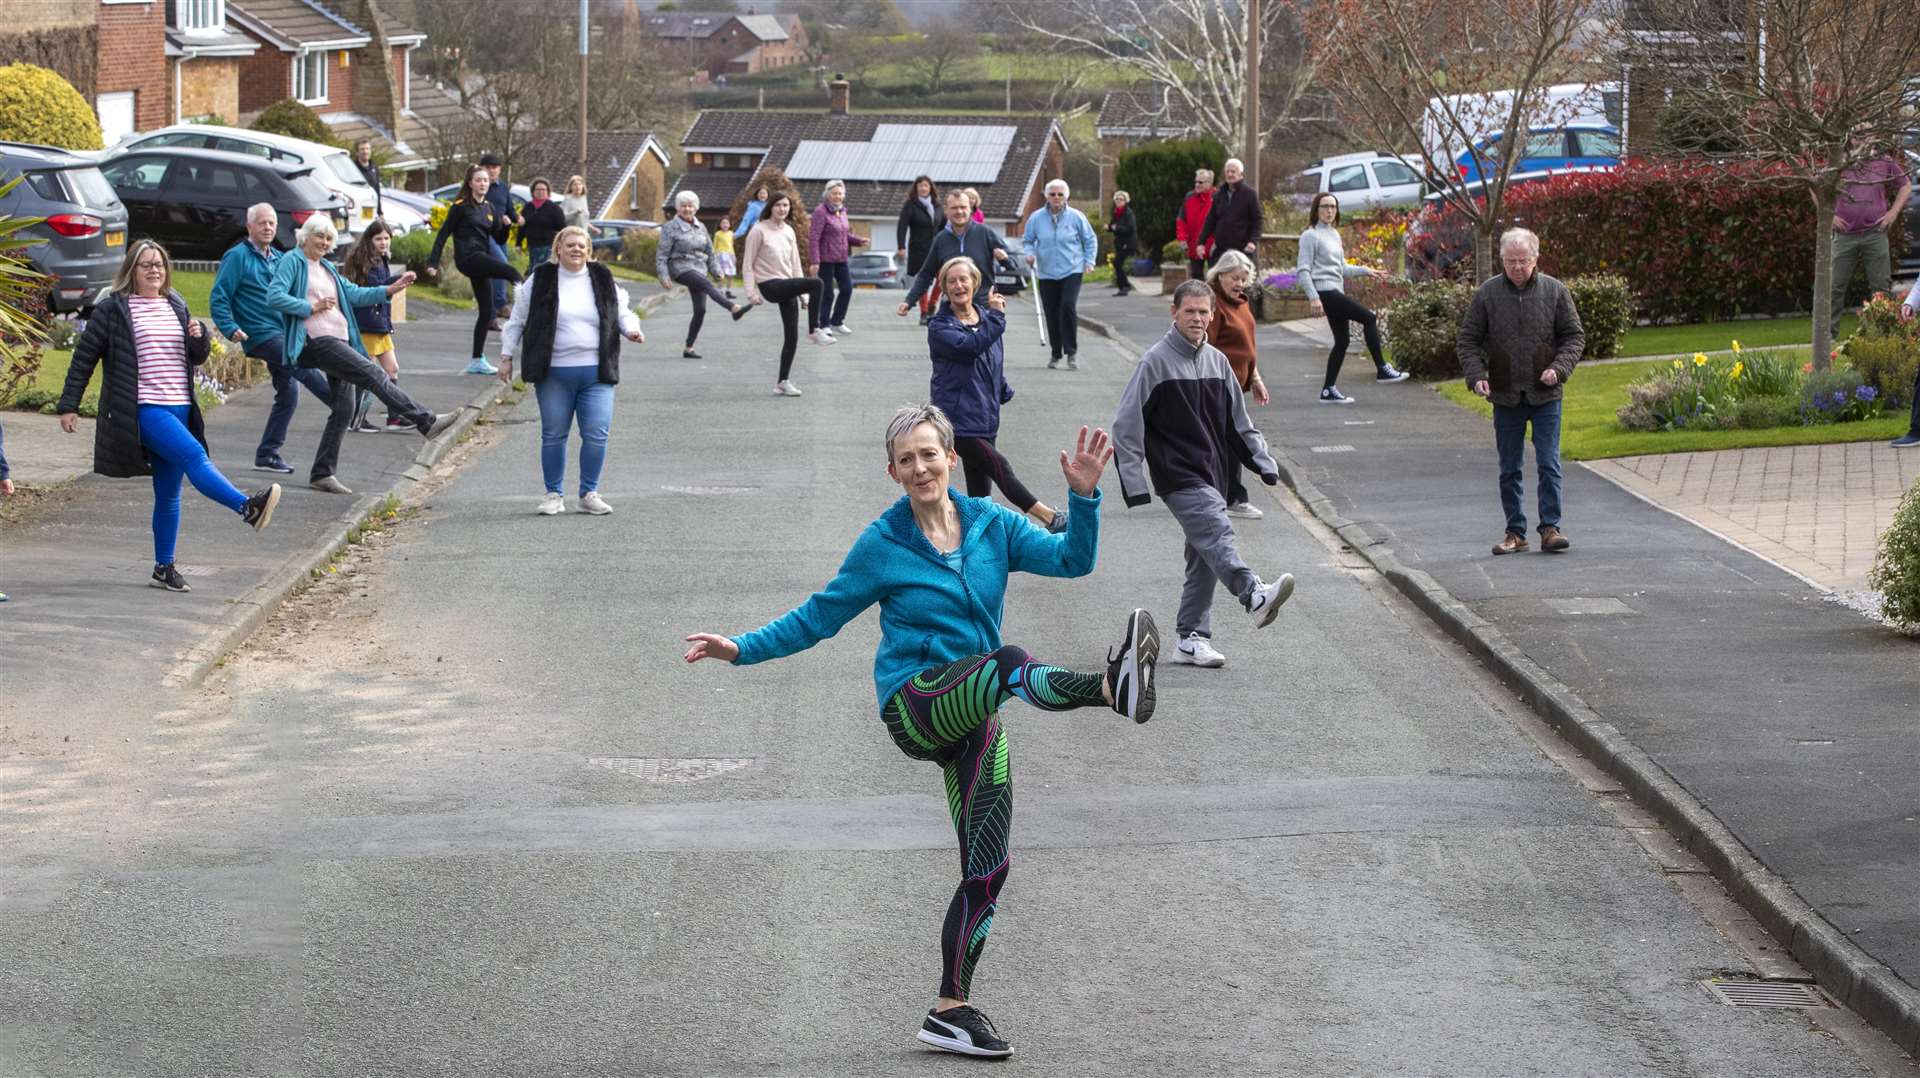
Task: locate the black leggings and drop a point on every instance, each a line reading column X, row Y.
column 786, row 291
column 1341, row 309
column 698, row 289
column 986, row 468
column 951, row 715
column 1120, row 282
column 482, row 271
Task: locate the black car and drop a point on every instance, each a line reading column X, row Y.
column 194, row 201
column 82, row 234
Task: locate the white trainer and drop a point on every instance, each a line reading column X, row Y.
column 820, row 336
column 1267, row 599
column 551, row 505
column 1245, row 511
column 592, row 502
column 785, row 389
column 1197, row 650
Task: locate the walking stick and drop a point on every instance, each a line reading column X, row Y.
column 1039, row 314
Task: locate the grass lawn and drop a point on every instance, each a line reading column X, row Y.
column 1717, row 336
column 1588, row 430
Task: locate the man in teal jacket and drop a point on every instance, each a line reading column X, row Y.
column 241, row 314
column 1061, row 247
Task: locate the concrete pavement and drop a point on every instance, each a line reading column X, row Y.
column 462, row 811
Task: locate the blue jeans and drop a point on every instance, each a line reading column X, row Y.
column 537, row 255
column 1509, row 436
column 500, row 286
column 833, row 310
column 177, row 454
column 567, row 392
column 286, row 392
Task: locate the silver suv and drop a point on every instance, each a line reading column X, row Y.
column 83, row 229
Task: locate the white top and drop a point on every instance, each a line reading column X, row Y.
column 333, row 321
column 576, row 327
column 1322, row 266
column 160, row 346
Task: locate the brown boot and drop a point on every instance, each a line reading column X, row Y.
column 1514, row 543
column 1552, row 540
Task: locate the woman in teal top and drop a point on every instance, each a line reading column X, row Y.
column 936, row 562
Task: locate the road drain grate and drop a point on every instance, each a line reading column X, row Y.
column 1738, row 993
column 658, row 770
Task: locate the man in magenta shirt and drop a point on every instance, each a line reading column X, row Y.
column 1861, row 220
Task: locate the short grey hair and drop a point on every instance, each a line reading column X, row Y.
column 831, row 184
column 1234, row 162
column 1520, row 237
column 1061, row 184
column 686, row 198
column 259, row 210
column 1229, row 261
column 912, row 415
column 316, row 225
column 1192, row 288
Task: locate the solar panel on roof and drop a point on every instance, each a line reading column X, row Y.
column 898, row 153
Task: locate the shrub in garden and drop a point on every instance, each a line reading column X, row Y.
column 1424, row 326
column 1159, row 175
column 638, row 247
column 289, row 117
column 1896, row 570
column 1605, row 303
column 1761, row 413
column 37, row 105
column 1748, row 390
column 1837, row 395
column 1173, row 252
column 412, row 249
column 1888, row 364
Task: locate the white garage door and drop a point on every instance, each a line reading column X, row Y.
column 116, row 116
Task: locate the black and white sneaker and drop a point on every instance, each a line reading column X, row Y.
column 1264, row 603
column 166, row 576
column 1130, row 667
column 1332, row 395
column 259, row 508
column 1389, row 373
column 965, row 1031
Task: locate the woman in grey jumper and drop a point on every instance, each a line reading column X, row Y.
column 685, row 257
column 1323, row 271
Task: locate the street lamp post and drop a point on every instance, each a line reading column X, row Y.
column 583, row 87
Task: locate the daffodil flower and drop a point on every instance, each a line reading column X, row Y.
column 1699, row 359
column 1737, row 368
column 1736, row 348
column 1677, row 364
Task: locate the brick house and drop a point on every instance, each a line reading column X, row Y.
column 1129, row 118
column 1008, row 159
column 626, row 170
column 723, row 44
column 112, row 51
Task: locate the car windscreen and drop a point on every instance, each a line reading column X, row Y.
column 343, row 167
column 307, row 189
column 89, row 188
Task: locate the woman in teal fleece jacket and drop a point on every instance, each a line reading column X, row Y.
column 936, row 563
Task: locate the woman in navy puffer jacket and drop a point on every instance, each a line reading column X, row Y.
column 970, row 385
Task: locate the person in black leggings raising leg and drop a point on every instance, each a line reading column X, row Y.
column 771, row 266
column 1323, row 271
column 474, row 225
column 937, row 564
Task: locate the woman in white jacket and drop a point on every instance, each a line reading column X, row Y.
column 568, row 318
column 1323, row 271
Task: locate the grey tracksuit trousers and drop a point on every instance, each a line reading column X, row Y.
column 1211, row 556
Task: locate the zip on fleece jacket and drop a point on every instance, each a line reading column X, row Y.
column 930, row 612
column 1183, row 422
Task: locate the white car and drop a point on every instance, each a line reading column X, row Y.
column 1361, row 180
column 331, row 165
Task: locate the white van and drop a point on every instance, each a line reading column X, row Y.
column 331, row 165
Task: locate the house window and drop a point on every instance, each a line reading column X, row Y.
column 201, row 16
column 697, row 159
column 310, row 78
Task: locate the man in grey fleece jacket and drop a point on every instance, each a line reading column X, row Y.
column 1518, row 343
column 1181, row 432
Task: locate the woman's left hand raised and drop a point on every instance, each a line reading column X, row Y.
column 1089, row 458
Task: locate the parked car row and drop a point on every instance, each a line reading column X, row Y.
column 83, row 231
column 1379, row 179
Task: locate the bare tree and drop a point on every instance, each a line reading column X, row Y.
column 945, row 53
column 1809, row 88
column 1195, row 50
column 1440, row 74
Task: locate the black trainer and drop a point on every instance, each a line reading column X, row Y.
column 1130, row 667
column 260, row 503
column 964, row 1030
column 272, row 464
column 166, row 576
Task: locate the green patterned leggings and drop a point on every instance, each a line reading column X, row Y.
column 950, row 715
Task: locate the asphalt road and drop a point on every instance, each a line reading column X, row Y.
column 464, row 811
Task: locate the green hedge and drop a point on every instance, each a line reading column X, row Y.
column 1423, row 326
column 1157, row 178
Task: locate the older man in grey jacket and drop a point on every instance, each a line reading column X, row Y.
column 1518, row 344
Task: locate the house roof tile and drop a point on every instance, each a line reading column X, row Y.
column 555, row 154
column 295, row 22
column 1131, row 110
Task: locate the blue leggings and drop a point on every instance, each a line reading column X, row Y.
column 176, row 454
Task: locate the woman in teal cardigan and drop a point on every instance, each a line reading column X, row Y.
column 937, row 562
column 321, row 333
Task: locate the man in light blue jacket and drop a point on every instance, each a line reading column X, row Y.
column 1061, row 246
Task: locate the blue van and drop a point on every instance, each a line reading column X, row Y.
column 1550, row 149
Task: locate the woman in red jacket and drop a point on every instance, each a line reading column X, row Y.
column 1193, row 217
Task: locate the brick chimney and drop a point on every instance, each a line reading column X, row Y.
column 839, row 96
column 377, row 92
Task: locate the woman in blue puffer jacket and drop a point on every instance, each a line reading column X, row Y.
column 970, row 385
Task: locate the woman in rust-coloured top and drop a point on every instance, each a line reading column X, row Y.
column 1232, row 331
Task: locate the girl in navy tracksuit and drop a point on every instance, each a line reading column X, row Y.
column 367, row 264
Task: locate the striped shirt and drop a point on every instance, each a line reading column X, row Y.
column 160, row 343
